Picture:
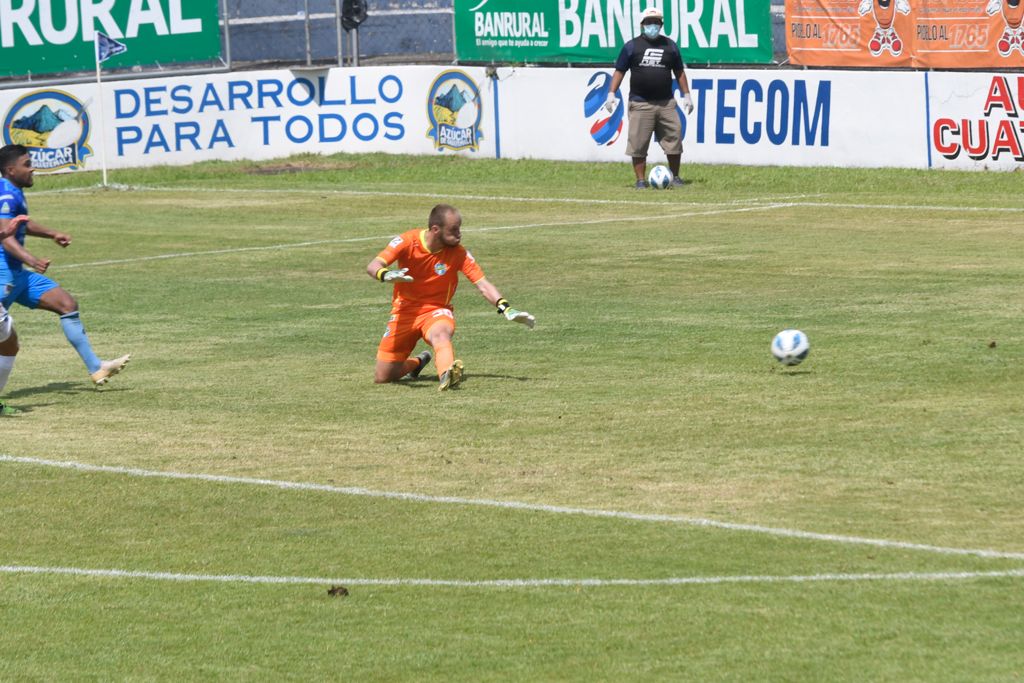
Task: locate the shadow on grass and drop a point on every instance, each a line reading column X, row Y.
column 67, row 388
column 431, row 382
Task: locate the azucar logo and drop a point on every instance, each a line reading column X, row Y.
column 53, row 125
column 455, row 111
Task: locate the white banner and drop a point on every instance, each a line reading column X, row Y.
column 758, row 117
column 741, row 116
column 975, row 120
column 254, row 115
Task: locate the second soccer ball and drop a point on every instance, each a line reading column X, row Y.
column 659, row 177
column 790, row 347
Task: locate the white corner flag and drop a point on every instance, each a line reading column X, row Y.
column 106, row 47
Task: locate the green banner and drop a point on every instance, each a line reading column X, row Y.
column 54, row 36
column 537, row 31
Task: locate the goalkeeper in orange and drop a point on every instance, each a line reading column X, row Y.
column 429, row 262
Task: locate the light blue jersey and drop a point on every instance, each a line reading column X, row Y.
column 12, row 204
column 17, row 285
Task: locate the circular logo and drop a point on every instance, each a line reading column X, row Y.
column 53, row 125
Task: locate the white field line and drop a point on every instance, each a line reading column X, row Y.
column 510, row 583
column 517, row 505
column 382, row 239
column 911, row 207
column 428, row 195
column 792, row 200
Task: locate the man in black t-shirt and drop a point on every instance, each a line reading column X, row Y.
column 653, row 60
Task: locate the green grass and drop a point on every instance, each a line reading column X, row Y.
column 647, row 387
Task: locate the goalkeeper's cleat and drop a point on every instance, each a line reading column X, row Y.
column 677, row 182
column 7, row 411
column 109, row 368
column 423, row 358
column 641, row 185
column 451, row 377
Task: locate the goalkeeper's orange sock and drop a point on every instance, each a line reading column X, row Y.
column 444, row 356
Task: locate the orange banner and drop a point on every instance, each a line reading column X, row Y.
column 925, row 34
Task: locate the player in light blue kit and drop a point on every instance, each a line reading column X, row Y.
column 34, row 290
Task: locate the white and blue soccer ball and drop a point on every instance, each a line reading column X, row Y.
column 659, row 177
column 790, row 347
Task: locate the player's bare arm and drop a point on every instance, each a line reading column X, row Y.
column 374, row 266
column 494, row 297
column 9, row 226
column 38, row 230
column 489, row 291
column 379, row 270
column 14, row 248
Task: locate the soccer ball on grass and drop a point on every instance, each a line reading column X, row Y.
column 659, row 177
column 790, row 347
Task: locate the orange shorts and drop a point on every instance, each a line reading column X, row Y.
column 407, row 325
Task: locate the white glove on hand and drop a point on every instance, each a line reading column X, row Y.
column 397, row 276
column 687, row 104
column 611, row 103
column 520, row 317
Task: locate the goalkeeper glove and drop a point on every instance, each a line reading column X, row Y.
column 385, row 275
column 515, row 315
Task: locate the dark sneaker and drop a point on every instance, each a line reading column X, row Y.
column 677, row 182
column 423, row 358
column 641, row 185
column 451, row 377
column 6, row 410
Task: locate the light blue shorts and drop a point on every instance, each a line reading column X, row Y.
column 24, row 287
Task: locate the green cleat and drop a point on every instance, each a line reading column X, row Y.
column 451, row 377
column 7, row 411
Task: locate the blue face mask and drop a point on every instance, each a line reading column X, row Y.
column 651, row 30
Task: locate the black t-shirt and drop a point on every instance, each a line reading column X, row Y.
column 652, row 64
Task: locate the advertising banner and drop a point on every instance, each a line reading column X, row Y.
column 54, row 36
column 740, row 116
column 975, row 120
column 969, row 34
column 926, row 34
column 593, row 31
column 751, row 116
column 253, row 115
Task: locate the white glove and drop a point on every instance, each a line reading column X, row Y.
column 612, row 102
column 687, row 104
column 397, row 276
column 520, row 317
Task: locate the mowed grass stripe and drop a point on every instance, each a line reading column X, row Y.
column 794, row 534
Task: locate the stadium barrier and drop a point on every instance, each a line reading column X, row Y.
column 741, row 116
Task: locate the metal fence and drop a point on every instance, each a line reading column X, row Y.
column 422, row 31
column 275, row 33
column 308, row 31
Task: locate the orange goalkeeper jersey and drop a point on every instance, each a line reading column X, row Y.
column 435, row 274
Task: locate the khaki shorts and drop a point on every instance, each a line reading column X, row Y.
column 659, row 117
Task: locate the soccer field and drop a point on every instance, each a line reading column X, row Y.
column 635, row 490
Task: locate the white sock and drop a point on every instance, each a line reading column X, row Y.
column 6, row 365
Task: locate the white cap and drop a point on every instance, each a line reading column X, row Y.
column 652, row 13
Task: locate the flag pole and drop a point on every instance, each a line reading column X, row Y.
column 99, row 103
